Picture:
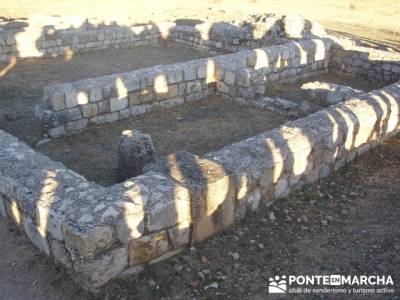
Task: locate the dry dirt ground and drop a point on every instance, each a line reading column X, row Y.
column 197, row 127
column 360, row 205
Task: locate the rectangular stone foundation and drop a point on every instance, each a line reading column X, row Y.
column 99, row 233
column 72, row 107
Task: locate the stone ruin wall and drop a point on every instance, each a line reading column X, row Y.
column 38, row 39
column 48, row 41
column 98, row 233
column 365, row 63
column 68, row 108
column 243, row 77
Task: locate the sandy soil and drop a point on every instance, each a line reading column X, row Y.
column 21, row 88
column 356, row 240
column 197, row 127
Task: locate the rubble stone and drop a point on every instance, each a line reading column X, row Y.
column 135, row 150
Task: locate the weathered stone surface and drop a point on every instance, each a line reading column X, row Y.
column 58, row 101
column 117, row 104
column 179, row 235
column 88, row 242
column 330, row 92
column 37, row 236
column 95, row 273
column 211, row 190
column 96, row 94
column 131, row 225
column 89, row 110
column 148, row 247
column 135, row 150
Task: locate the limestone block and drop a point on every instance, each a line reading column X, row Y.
column 174, row 75
column 82, row 98
column 179, row 235
column 202, row 71
column 189, row 73
column 74, row 114
column 167, row 205
column 212, row 191
column 71, row 97
column 89, row 110
column 58, row 101
column 243, row 78
column 135, row 150
column 193, row 87
column 251, row 202
column 90, row 241
column 229, row 77
column 102, row 107
column 96, row 94
column 222, row 87
column 117, row 104
column 148, row 247
column 38, row 237
column 132, row 84
column 60, row 253
column 96, row 272
column 173, row 91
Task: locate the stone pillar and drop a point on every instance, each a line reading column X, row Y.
column 135, row 150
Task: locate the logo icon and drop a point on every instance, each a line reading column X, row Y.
column 277, row 285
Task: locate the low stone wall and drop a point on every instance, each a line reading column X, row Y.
column 365, row 63
column 255, row 31
column 71, row 107
column 36, row 40
column 98, row 233
column 284, row 63
column 46, row 36
column 268, row 166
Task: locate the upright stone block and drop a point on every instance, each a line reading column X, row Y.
column 135, row 150
column 212, row 191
